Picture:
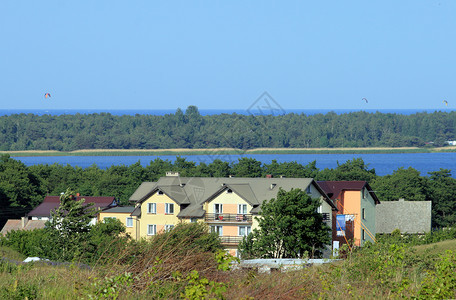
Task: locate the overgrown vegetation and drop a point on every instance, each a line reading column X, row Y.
column 161, row 268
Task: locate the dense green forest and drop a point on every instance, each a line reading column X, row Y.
column 190, row 129
column 24, row 187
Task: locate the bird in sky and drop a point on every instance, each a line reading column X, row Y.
column 446, row 102
column 364, row 99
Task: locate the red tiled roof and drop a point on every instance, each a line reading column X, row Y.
column 334, row 188
column 52, row 202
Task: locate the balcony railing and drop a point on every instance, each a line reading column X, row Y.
column 231, row 239
column 235, row 218
column 326, row 217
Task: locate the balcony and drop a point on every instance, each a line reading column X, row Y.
column 326, row 217
column 231, row 240
column 228, row 218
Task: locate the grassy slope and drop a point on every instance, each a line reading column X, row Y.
column 437, row 248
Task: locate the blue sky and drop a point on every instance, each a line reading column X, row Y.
column 225, row 54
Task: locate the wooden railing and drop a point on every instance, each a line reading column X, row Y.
column 236, row 218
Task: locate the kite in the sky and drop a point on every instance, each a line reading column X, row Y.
column 364, row 99
column 47, row 95
column 446, row 102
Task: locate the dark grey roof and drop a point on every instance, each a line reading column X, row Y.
column 120, row 209
column 136, row 212
column 193, row 192
column 142, row 191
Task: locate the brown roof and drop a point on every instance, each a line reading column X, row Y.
column 17, row 225
column 334, row 188
column 52, row 202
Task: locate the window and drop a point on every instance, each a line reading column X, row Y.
column 193, row 220
column 169, row 208
column 244, row 230
column 218, row 208
column 217, row 229
column 160, row 192
column 229, row 191
column 242, row 209
column 308, row 191
column 151, row 208
column 364, row 213
column 129, row 222
column 362, row 233
column 168, row 227
column 151, row 229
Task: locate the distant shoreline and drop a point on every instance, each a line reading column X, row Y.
column 226, row 151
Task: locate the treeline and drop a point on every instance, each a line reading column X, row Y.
column 24, row 187
column 190, row 129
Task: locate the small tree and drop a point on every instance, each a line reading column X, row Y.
column 69, row 226
column 289, row 227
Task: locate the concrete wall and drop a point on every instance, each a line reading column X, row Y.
column 407, row 216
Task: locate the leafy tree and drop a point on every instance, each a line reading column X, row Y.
column 248, row 167
column 403, row 183
column 19, row 189
column 69, row 226
column 354, row 169
column 289, row 226
column 442, row 192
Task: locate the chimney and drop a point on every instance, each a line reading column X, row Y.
column 23, row 222
column 172, row 174
column 268, row 175
column 77, row 194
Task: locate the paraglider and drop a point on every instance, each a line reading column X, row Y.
column 446, row 102
column 364, row 99
column 47, row 95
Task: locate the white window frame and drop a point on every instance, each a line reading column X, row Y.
column 246, row 229
column 169, row 227
column 153, row 231
column 127, row 221
column 364, row 213
column 219, row 210
column 217, row 229
column 168, row 210
column 242, row 209
column 151, row 208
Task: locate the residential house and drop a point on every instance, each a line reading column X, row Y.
column 355, row 218
column 227, row 205
column 121, row 213
column 37, row 217
column 51, row 203
column 21, row 224
column 407, row 216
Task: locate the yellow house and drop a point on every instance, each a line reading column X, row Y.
column 122, row 213
column 227, row 205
